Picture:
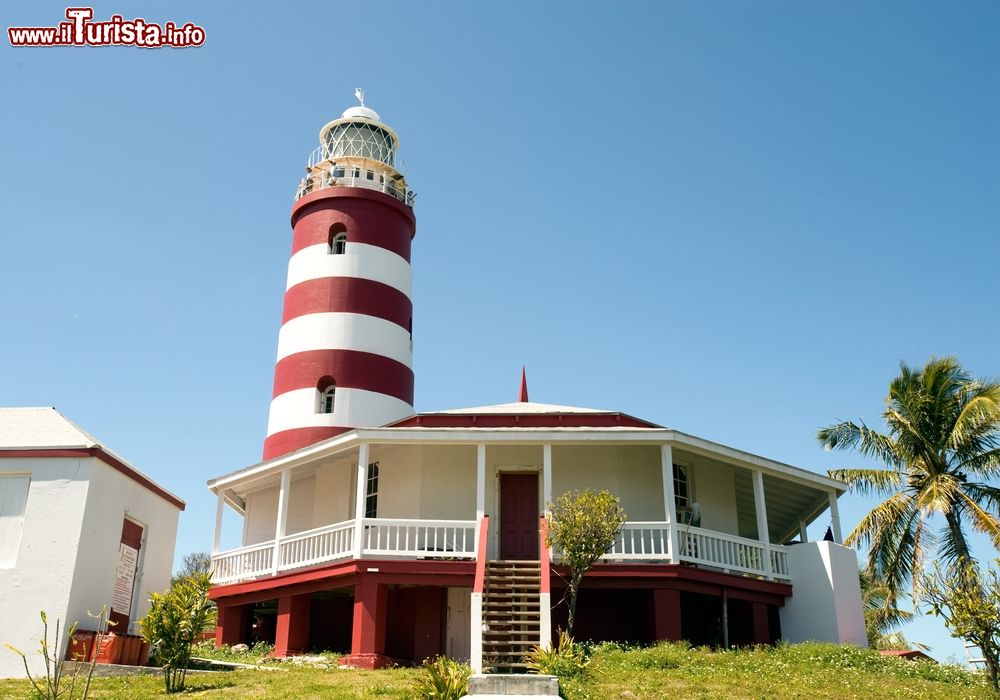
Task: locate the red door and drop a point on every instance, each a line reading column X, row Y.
column 519, row 516
column 128, row 558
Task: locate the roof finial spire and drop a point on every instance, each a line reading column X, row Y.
column 360, row 94
column 522, row 395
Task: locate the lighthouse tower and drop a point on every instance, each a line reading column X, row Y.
column 345, row 345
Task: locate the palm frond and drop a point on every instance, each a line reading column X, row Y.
column 984, row 494
column 986, row 523
column 880, row 519
column 979, row 415
column 939, row 493
column 985, row 464
column 896, row 553
column 864, row 481
column 871, row 443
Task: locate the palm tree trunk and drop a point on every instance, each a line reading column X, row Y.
column 957, row 536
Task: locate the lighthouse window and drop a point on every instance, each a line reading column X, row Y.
column 371, row 175
column 338, row 244
column 326, row 399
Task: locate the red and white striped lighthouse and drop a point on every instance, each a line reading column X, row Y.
column 345, row 345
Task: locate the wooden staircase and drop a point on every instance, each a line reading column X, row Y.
column 511, row 614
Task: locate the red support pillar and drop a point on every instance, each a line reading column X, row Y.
column 368, row 637
column 761, row 626
column 292, row 634
column 667, row 614
column 230, row 625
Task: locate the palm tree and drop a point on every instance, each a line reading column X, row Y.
column 940, row 450
column 882, row 616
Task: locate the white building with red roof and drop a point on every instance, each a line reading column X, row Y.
column 80, row 528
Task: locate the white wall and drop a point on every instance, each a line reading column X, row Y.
column 334, row 496
column 448, row 484
column 714, row 488
column 300, row 505
column 825, row 604
column 112, row 497
column 43, row 573
column 427, row 481
column 261, row 515
column 631, row 472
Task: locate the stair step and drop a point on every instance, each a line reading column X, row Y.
column 529, row 631
column 508, row 602
column 512, row 579
column 514, row 594
column 508, row 612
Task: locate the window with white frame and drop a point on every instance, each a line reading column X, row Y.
column 326, row 399
column 682, row 487
column 13, row 497
column 371, row 491
column 338, row 243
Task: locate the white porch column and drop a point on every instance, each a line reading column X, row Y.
column 480, row 483
column 835, row 519
column 359, row 500
column 217, row 537
column 546, row 477
column 803, row 535
column 282, row 524
column 762, row 532
column 669, row 503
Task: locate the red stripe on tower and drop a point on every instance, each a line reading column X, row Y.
column 345, row 346
column 349, row 295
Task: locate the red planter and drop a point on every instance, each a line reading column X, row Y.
column 143, row 653
column 125, row 649
column 130, row 651
column 109, row 651
column 81, row 646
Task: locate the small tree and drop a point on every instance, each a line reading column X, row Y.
column 173, row 623
column 582, row 526
column 970, row 608
column 54, row 683
column 193, row 563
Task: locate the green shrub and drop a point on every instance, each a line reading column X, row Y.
column 255, row 654
column 443, row 679
column 565, row 660
column 174, row 621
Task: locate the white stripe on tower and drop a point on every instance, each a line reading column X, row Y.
column 360, row 260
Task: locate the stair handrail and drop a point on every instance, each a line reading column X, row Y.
column 544, row 586
column 480, row 580
column 543, row 554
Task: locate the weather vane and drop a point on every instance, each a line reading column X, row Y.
column 360, row 94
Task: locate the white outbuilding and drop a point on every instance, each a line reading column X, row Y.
column 80, row 528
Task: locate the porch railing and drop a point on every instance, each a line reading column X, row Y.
column 316, row 546
column 444, row 539
column 456, row 539
column 382, row 537
column 730, row 553
column 243, row 563
column 641, row 540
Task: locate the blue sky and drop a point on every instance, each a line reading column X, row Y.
column 730, row 218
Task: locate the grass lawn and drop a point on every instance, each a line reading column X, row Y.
column 665, row 671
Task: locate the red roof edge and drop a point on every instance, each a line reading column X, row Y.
column 522, row 420
column 106, row 457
